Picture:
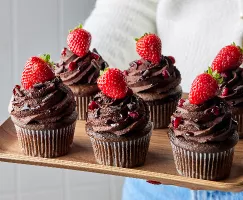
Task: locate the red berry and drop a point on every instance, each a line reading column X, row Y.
column 153, row 182
column 181, row 102
column 64, row 52
column 228, row 58
column 215, row 110
column 225, row 91
column 113, row 84
column 78, row 41
column 165, row 73
column 139, row 62
column 72, row 66
column 37, row 70
column 176, row 122
column 133, row 114
column 149, row 48
column 204, row 87
column 93, row 105
column 95, row 56
column 172, row 59
column 129, row 92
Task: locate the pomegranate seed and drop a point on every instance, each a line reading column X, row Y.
column 93, row 105
column 172, row 59
column 129, row 92
column 133, row 115
column 95, row 56
column 181, row 102
column 72, row 66
column 64, row 52
column 215, row 110
column 125, row 72
column 153, row 182
column 139, row 62
column 165, row 73
column 176, row 122
column 225, row 92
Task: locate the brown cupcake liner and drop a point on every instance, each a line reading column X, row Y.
column 125, row 154
column 46, row 143
column 82, row 104
column 207, row 166
column 239, row 118
column 160, row 114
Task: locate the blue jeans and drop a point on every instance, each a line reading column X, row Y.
column 137, row 189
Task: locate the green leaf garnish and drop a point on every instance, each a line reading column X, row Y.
column 103, row 71
column 215, row 75
column 47, row 58
column 79, row 26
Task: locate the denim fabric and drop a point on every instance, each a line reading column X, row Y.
column 136, row 189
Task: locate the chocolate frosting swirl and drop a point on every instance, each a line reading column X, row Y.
column 87, row 68
column 209, row 122
column 118, row 116
column 45, row 103
column 233, row 81
column 146, row 77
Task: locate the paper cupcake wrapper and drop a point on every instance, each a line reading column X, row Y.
column 82, row 104
column 46, row 143
column 208, row 166
column 125, row 154
column 160, row 114
column 239, row 119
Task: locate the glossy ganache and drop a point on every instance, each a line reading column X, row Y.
column 117, row 116
column 162, row 80
column 231, row 88
column 206, row 123
column 45, row 104
column 74, row 70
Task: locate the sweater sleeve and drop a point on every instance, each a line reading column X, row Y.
column 114, row 24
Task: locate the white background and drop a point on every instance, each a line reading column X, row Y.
column 27, row 28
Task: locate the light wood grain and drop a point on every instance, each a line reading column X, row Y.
column 159, row 165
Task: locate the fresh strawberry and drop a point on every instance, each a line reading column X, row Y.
column 204, row 87
column 37, row 70
column 78, row 41
column 228, row 58
column 149, row 47
column 112, row 83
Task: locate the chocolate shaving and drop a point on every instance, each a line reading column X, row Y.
column 38, row 85
column 146, row 73
column 60, row 69
column 26, row 107
column 17, row 90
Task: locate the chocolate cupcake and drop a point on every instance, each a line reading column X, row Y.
column 227, row 63
column 79, row 69
column 203, row 135
column 43, row 111
column 157, row 83
column 119, row 128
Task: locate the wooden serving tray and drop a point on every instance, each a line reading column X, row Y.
column 159, row 165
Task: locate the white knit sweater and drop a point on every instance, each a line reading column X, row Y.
column 193, row 31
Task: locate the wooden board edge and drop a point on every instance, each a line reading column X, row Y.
column 167, row 179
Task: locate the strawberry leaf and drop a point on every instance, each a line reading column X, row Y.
column 47, row 58
column 103, row 71
column 77, row 27
column 215, row 75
